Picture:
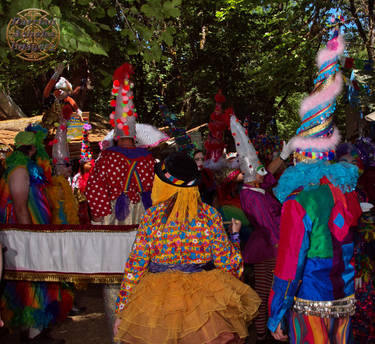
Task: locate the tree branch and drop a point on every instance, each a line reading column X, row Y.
column 357, row 21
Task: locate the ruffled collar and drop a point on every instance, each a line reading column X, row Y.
column 308, row 176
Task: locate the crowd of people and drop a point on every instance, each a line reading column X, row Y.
column 223, row 239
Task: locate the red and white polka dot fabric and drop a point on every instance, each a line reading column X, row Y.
column 108, row 180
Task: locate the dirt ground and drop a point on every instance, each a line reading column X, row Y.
column 88, row 328
column 91, row 327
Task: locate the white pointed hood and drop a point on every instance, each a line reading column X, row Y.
column 249, row 163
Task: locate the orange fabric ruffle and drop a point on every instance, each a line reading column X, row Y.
column 184, row 308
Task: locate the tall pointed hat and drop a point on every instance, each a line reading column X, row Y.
column 317, row 137
column 249, row 162
column 123, row 118
column 218, row 124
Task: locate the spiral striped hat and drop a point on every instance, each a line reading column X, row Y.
column 317, row 136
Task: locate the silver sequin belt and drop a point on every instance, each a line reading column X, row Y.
column 326, row 309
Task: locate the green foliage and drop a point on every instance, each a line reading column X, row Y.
column 261, row 53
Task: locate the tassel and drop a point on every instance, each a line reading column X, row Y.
column 122, row 207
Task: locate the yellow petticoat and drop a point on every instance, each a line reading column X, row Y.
column 185, row 308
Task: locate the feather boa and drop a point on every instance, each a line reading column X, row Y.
column 342, row 175
column 319, row 144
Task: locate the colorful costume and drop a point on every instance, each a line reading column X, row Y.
column 364, row 241
column 263, row 213
column 314, row 268
column 180, row 280
column 313, row 287
column 119, row 189
column 58, row 93
column 30, row 304
column 79, row 181
column 122, row 177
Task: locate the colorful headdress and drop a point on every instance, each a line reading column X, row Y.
column 219, row 122
column 317, row 137
column 248, row 157
column 123, row 118
column 182, row 139
column 148, row 136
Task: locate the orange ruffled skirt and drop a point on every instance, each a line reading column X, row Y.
column 185, row 308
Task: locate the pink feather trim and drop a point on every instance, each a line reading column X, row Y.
column 327, row 94
column 328, row 54
column 320, row 144
column 123, row 72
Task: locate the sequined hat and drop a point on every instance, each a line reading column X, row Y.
column 123, row 118
column 317, row 136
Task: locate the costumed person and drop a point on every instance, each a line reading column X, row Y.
column 79, row 183
column 214, row 160
column 181, row 279
column 64, row 206
column 57, row 94
column 263, row 212
column 207, row 185
column 364, row 254
column 348, row 152
column 313, row 288
column 29, row 305
column 218, row 124
column 119, row 189
column 228, row 180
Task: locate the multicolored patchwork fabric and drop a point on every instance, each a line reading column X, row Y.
column 315, row 251
column 199, row 241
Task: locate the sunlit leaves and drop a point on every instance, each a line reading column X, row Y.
column 75, row 37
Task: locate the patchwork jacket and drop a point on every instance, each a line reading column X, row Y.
column 315, row 253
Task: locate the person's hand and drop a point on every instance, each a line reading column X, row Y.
column 236, row 225
column 279, row 334
column 79, row 113
column 286, row 151
column 116, row 325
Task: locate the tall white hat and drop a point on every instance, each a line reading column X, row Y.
column 249, row 162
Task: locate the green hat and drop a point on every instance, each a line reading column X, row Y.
column 24, row 138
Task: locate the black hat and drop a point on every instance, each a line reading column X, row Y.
column 178, row 169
